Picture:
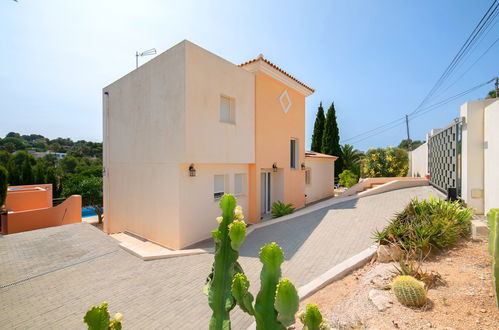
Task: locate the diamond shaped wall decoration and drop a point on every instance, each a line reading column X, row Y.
column 285, row 101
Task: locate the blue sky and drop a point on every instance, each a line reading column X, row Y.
column 375, row 59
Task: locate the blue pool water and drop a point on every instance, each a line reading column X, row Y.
column 87, row 211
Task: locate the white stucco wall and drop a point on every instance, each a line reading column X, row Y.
column 419, row 161
column 321, row 179
column 208, row 140
column 491, row 156
column 160, row 118
column 198, row 208
column 143, row 144
column 473, row 154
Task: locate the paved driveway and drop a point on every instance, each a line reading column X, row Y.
column 49, row 277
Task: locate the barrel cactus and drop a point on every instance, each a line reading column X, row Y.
column 409, row 291
column 277, row 301
column 228, row 238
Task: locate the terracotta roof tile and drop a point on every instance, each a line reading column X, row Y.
column 313, row 154
column 278, row 69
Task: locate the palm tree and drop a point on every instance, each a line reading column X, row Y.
column 351, row 158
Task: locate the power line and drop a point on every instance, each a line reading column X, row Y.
column 471, row 66
column 374, row 129
column 461, row 53
column 427, row 109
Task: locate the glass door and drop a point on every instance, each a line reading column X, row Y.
column 265, row 189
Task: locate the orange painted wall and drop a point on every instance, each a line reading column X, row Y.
column 273, row 131
column 65, row 213
column 29, row 197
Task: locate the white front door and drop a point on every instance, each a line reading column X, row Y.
column 265, row 194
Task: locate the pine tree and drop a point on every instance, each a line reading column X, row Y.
column 27, row 172
column 331, row 139
column 318, row 130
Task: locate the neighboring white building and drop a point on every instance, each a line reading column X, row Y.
column 40, row 154
column 319, row 176
column 418, row 158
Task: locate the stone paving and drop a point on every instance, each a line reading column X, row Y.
column 49, row 277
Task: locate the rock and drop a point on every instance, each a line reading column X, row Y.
column 387, row 253
column 381, row 300
column 483, row 310
column 448, row 259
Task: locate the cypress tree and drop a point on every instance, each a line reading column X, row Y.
column 14, row 174
column 318, row 130
column 331, row 139
column 4, row 176
column 52, row 178
column 39, row 173
column 27, row 172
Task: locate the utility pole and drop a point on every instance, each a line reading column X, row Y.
column 409, row 143
column 497, row 86
column 136, row 60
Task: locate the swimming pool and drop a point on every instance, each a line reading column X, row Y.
column 87, row 211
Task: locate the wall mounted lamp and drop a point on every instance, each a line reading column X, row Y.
column 274, row 167
column 192, row 170
column 303, row 166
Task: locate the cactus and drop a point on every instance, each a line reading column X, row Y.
column 491, row 216
column 277, row 301
column 228, row 238
column 312, row 319
column 97, row 318
column 409, row 291
column 493, row 220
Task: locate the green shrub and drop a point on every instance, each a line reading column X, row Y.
column 348, row 178
column 426, row 225
column 280, row 209
column 381, row 162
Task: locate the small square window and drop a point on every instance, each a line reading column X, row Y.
column 218, row 186
column 239, row 184
column 227, row 109
column 307, row 176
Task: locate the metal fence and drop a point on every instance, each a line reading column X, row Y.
column 444, row 158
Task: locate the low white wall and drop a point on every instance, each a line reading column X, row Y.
column 321, row 179
column 368, row 182
column 491, row 156
column 393, row 185
column 418, row 167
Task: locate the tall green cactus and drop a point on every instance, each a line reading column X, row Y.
column 97, row 318
column 493, row 220
column 277, row 301
column 312, row 319
column 228, row 238
column 491, row 216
